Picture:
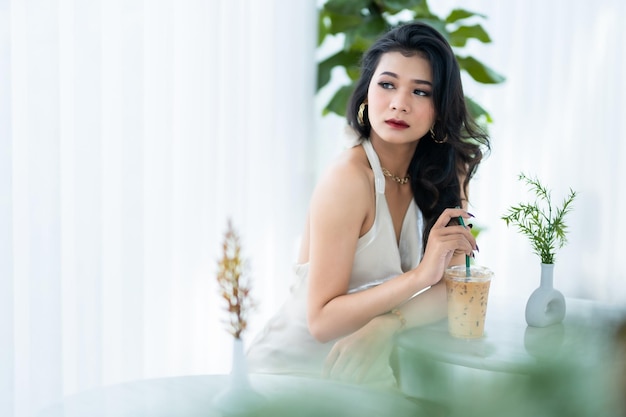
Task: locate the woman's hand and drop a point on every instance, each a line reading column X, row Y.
column 363, row 356
column 444, row 241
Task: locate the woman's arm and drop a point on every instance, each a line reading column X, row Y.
column 342, row 207
column 354, row 357
column 339, row 208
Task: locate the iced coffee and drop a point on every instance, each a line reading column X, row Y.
column 467, row 300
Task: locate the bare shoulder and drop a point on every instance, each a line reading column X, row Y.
column 348, row 175
column 347, row 184
column 340, row 204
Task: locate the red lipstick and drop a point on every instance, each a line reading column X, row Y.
column 397, row 124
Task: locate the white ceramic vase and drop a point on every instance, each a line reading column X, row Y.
column 238, row 397
column 546, row 305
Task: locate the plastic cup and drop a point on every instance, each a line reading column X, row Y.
column 467, row 300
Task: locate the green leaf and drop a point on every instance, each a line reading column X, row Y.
column 476, row 229
column 348, row 60
column 347, row 7
column 323, row 22
column 353, row 72
column 479, row 71
column 459, row 14
column 422, row 10
column 395, row 6
column 362, row 37
column 438, row 24
column 476, row 110
column 341, row 23
column 339, row 101
column 356, row 42
column 460, row 36
column 324, row 70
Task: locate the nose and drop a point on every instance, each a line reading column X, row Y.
column 400, row 103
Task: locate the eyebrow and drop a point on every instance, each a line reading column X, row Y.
column 394, row 75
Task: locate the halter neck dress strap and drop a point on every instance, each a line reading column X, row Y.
column 372, row 157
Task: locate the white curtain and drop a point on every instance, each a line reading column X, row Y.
column 130, row 131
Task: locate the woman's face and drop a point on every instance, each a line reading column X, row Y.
column 399, row 98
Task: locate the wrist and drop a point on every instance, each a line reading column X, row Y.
column 425, row 276
column 385, row 324
column 391, row 323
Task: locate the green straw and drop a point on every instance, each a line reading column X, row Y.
column 467, row 258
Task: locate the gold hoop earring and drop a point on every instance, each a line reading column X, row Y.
column 434, row 138
column 360, row 116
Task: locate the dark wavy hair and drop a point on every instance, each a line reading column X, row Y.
column 436, row 168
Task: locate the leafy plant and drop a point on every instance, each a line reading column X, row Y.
column 361, row 22
column 542, row 223
column 233, row 283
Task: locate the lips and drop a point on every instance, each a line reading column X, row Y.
column 397, row 124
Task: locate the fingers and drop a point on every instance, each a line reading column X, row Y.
column 350, row 367
column 348, row 362
column 446, row 224
column 455, row 237
column 456, row 243
column 449, row 214
column 341, row 367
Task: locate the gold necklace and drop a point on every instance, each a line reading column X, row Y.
column 395, row 177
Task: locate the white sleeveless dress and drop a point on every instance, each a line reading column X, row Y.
column 285, row 346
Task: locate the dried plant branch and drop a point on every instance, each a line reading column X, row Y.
column 234, row 283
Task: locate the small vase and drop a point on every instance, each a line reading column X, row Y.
column 546, row 305
column 238, row 397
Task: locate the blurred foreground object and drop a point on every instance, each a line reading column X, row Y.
column 234, row 283
column 238, row 397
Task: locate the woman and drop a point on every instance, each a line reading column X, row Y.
column 382, row 225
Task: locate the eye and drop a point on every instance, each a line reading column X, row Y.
column 421, row 93
column 385, row 85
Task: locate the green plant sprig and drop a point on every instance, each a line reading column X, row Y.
column 543, row 224
column 233, row 283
